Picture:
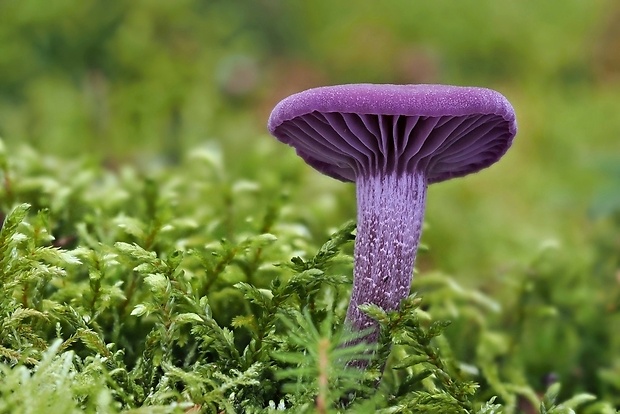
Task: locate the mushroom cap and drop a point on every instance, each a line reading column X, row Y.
column 347, row 130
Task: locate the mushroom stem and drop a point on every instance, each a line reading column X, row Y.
column 390, row 211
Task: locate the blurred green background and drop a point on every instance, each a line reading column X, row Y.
column 147, row 81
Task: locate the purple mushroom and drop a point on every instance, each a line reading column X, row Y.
column 392, row 140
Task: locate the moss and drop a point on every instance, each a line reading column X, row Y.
column 130, row 291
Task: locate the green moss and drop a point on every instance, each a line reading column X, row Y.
column 129, row 291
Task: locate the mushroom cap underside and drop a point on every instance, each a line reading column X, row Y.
column 347, row 130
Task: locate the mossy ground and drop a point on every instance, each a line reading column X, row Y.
column 181, row 289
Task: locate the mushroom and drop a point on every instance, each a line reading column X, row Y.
column 392, row 141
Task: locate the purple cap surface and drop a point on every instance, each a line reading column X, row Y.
column 347, row 130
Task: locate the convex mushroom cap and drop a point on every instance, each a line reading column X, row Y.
column 345, row 130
